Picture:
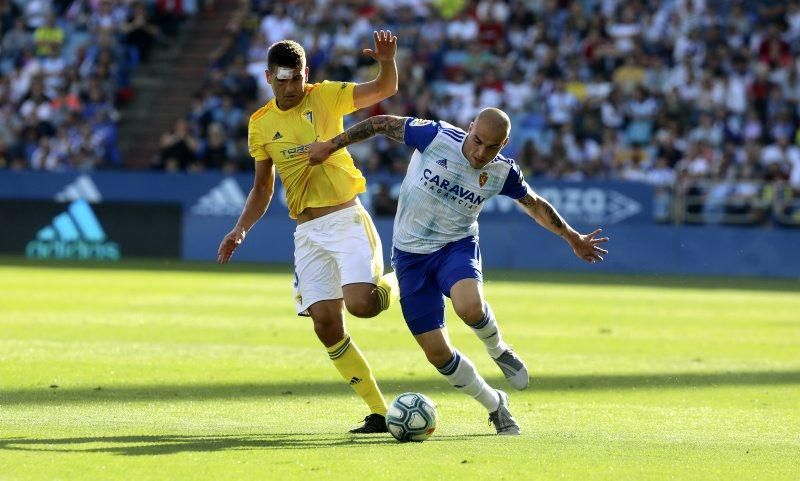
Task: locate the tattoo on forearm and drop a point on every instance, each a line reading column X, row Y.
column 388, row 125
column 528, row 201
column 538, row 205
column 554, row 217
column 357, row 133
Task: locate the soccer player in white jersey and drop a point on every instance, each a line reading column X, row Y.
column 435, row 254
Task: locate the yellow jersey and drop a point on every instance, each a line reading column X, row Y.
column 284, row 137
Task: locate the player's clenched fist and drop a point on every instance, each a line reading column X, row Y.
column 229, row 244
column 318, row 152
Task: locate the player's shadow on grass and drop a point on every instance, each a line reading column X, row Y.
column 173, row 444
column 431, row 385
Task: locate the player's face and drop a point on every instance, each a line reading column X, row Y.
column 288, row 85
column 483, row 143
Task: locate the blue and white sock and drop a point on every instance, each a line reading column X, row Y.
column 488, row 332
column 462, row 375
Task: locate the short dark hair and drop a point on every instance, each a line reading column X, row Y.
column 286, row 53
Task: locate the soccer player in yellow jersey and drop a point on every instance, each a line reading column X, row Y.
column 338, row 255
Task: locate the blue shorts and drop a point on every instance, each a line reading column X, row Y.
column 426, row 278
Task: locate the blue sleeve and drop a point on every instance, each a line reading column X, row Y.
column 515, row 185
column 419, row 133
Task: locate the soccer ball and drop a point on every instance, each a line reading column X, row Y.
column 411, row 417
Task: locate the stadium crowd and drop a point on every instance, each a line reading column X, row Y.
column 65, row 68
column 683, row 94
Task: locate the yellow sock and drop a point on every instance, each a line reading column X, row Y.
column 387, row 290
column 353, row 367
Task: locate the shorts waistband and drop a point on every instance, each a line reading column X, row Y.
column 333, row 216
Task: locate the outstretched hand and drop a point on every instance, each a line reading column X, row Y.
column 586, row 246
column 229, row 244
column 385, row 46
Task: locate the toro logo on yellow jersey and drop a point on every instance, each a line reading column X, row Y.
column 295, row 151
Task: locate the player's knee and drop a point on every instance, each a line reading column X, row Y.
column 439, row 356
column 362, row 307
column 328, row 332
column 470, row 311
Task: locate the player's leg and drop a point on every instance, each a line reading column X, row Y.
column 460, row 276
column 359, row 252
column 328, row 317
column 471, row 306
column 456, row 367
column 319, row 294
column 367, row 300
column 422, row 303
column 462, row 375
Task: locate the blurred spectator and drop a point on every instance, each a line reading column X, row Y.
column 16, row 41
column 48, row 37
column 277, row 25
column 383, row 204
column 64, row 67
column 179, row 149
column 216, row 151
column 140, row 31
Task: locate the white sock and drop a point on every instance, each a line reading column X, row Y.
column 488, row 332
column 461, row 374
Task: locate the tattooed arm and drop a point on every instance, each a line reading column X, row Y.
column 545, row 214
column 584, row 246
column 388, row 125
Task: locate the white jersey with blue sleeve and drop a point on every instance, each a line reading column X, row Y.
column 442, row 194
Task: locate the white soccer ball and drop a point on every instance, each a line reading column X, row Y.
column 411, row 417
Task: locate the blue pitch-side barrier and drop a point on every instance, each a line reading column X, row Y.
column 211, row 203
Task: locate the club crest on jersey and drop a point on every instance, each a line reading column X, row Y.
column 483, row 178
column 309, row 116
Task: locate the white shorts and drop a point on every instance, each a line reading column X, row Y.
column 332, row 251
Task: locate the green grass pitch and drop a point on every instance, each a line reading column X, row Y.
column 185, row 371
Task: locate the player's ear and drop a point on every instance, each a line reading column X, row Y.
column 469, row 128
column 505, row 142
column 269, row 76
column 306, row 74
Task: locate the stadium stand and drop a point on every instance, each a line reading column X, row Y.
column 697, row 97
column 65, row 70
